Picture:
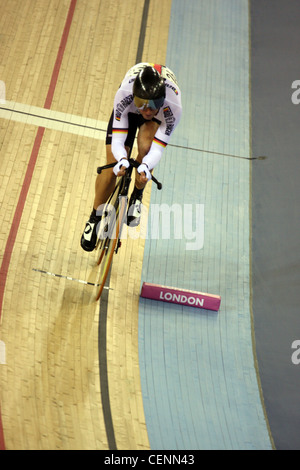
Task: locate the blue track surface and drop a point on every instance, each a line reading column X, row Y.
column 197, row 367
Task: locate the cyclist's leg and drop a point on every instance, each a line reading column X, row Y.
column 105, row 182
column 104, row 185
column 145, row 137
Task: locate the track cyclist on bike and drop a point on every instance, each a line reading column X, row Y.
column 148, row 99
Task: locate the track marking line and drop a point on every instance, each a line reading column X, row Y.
column 69, row 278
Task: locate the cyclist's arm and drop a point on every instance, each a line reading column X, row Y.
column 162, row 136
column 117, row 144
column 122, row 102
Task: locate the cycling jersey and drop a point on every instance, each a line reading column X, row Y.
column 168, row 115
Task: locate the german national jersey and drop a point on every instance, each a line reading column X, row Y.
column 168, row 115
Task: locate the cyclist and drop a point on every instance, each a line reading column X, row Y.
column 148, row 99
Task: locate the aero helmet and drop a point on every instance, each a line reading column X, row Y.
column 149, row 89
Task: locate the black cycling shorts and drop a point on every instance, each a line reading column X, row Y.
column 135, row 122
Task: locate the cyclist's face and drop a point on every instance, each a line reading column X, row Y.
column 148, row 113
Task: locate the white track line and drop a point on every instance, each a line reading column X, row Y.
column 69, row 278
column 51, row 119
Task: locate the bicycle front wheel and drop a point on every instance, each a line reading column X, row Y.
column 108, row 214
column 110, row 243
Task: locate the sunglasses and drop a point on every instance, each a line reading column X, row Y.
column 141, row 103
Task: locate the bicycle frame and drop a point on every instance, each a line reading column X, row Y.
column 110, row 245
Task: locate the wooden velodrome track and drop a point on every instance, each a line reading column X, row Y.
column 60, row 60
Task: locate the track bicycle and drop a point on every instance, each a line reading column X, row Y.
column 113, row 218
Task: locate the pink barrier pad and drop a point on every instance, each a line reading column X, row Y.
column 181, row 296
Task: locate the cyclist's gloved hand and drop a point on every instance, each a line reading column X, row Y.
column 143, row 168
column 119, row 165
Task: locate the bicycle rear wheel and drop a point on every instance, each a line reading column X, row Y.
column 109, row 244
